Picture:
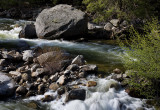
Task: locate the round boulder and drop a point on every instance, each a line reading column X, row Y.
column 61, row 21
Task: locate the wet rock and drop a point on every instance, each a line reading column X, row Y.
column 73, row 67
column 91, row 83
column 47, row 98
column 61, row 21
column 61, row 80
column 30, row 93
column 7, row 86
column 79, row 60
column 28, row 55
column 77, row 94
column 21, row 90
column 41, row 89
column 54, row 86
column 28, row 31
column 61, row 90
column 14, row 73
column 117, row 71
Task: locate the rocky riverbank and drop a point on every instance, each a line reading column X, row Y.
column 36, row 71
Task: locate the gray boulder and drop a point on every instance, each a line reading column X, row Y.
column 28, row 31
column 61, row 21
column 77, row 94
column 7, row 86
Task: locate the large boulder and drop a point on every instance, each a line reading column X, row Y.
column 61, row 21
column 28, row 31
column 7, row 86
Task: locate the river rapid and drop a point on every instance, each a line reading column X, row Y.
column 107, row 56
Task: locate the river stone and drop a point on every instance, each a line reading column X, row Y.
column 76, row 94
column 21, row 90
column 28, row 31
column 7, row 86
column 89, row 68
column 61, row 21
column 3, row 62
column 54, row 86
column 61, row 80
column 91, row 83
column 28, row 55
column 79, row 60
column 14, row 73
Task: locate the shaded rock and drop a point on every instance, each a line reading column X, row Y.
column 30, row 93
column 7, row 86
column 54, row 86
column 82, row 74
column 34, row 67
column 91, row 83
column 41, row 89
column 28, row 55
column 73, row 67
column 21, row 90
column 67, row 73
column 28, row 31
column 61, row 80
column 77, row 94
column 61, row 90
column 79, row 60
column 54, row 78
column 3, row 62
column 25, row 77
column 108, row 26
column 61, row 21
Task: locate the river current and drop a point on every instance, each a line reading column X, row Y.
column 107, row 56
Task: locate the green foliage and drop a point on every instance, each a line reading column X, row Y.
column 143, row 57
column 128, row 9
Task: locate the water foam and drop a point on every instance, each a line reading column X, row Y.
column 101, row 97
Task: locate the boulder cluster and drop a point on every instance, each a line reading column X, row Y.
column 35, row 71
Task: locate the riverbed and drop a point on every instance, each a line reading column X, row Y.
column 106, row 55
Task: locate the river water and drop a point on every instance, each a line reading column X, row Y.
column 106, row 55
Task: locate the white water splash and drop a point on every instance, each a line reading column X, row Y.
column 101, row 97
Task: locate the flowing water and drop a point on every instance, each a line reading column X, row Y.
column 107, row 56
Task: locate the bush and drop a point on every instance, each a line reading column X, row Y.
column 143, row 57
column 103, row 10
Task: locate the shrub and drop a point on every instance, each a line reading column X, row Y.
column 143, row 57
